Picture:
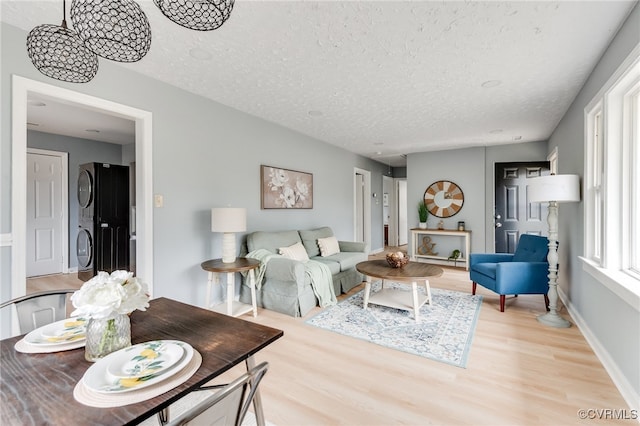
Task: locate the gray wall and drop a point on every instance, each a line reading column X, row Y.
column 464, row 167
column 611, row 324
column 472, row 169
column 204, row 155
column 80, row 151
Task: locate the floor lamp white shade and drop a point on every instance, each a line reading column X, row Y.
column 228, row 220
column 554, row 189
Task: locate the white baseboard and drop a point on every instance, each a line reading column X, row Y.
column 73, row 270
column 619, row 380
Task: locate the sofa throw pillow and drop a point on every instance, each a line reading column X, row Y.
column 328, row 246
column 295, row 252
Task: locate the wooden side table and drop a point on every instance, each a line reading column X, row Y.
column 231, row 307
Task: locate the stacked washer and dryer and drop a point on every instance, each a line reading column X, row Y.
column 103, row 219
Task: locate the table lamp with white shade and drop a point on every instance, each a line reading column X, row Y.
column 554, row 189
column 228, row 220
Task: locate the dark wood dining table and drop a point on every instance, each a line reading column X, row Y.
column 37, row 389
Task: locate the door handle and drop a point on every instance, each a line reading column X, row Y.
column 497, row 217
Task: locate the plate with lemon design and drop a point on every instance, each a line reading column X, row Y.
column 62, row 332
column 138, row 366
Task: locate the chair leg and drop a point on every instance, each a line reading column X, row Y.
column 473, row 288
column 502, row 297
column 546, row 301
column 163, row 416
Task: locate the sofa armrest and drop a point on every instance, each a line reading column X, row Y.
column 351, row 246
column 522, row 277
column 283, row 269
column 489, row 258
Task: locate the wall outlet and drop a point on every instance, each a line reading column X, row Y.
column 158, row 200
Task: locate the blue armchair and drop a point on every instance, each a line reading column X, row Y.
column 523, row 272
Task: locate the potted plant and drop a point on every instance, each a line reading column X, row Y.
column 423, row 214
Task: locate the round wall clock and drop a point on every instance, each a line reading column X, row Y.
column 443, row 198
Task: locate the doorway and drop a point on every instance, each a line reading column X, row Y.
column 403, row 228
column 47, row 212
column 21, row 88
column 362, row 206
column 514, row 215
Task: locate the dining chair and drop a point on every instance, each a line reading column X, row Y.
column 228, row 406
column 38, row 309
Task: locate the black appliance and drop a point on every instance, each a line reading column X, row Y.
column 103, row 219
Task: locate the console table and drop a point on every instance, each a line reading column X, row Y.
column 215, row 267
column 419, row 251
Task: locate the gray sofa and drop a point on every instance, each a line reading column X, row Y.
column 285, row 287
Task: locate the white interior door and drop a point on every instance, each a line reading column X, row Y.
column 403, row 230
column 359, row 193
column 44, row 214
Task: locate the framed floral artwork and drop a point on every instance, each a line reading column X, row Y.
column 285, row 189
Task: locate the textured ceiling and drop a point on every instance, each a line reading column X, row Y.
column 383, row 79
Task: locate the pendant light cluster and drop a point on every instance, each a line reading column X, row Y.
column 113, row 29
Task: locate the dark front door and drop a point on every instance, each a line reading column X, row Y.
column 514, row 215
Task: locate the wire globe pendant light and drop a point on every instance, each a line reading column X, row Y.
column 57, row 52
column 113, row 29
column 200, row 15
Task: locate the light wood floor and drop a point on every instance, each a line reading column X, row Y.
column 519, row 372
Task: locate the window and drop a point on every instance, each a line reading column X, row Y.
column 612, row 176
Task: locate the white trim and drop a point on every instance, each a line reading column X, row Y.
column 621, row 284
column 64, row 157
column 633, row 57
column 619, row 379
column 21, row 87
column 6, row 240
column 607, row 260
column 553, row 161
column 367, row 205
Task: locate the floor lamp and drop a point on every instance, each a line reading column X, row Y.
column 228, row 220
column 554, row 189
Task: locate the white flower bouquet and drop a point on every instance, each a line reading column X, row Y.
column 106, row 300
column 107, row 295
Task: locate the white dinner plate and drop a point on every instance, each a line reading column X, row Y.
column 145, row 359
column 99, row 379
column 58, row 333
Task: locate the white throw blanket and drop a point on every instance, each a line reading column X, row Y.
column 319, row 275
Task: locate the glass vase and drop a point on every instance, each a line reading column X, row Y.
column 106, row 335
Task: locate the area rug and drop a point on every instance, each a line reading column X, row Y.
column 443, row 333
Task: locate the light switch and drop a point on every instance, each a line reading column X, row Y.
column 158, row 200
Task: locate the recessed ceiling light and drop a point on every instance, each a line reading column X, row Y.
column 315, row 113
column 92, row 130
column 200, row 54
column 491, row 83
column 36, row 103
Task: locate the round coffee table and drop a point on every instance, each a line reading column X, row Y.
column 412, row 272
